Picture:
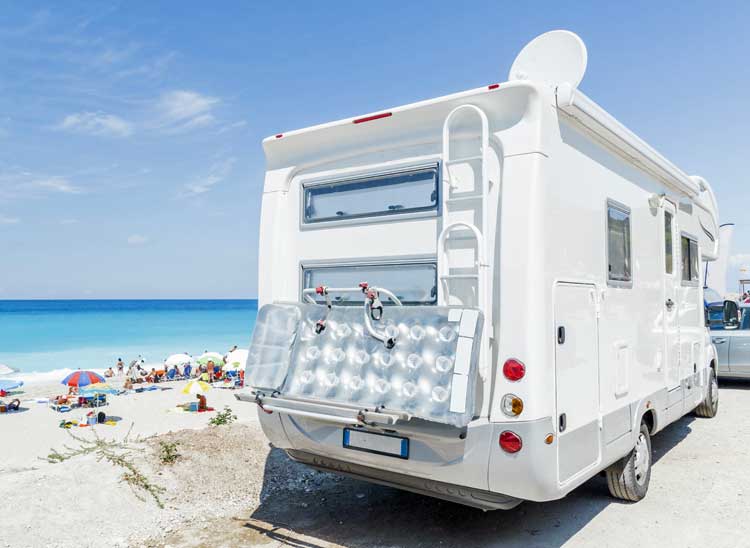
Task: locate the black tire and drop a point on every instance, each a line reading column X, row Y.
column 710, row 405
column 629, row 477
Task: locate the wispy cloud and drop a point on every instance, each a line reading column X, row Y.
column 218, row 171
column 184, row 110
column 9, row 220
column 137, row 239
column 739, row 259
column 56, row 183
column 229, row 127
column 18, row 183
column 151, row 68
column 96, row 123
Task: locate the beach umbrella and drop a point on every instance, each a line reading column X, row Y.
column 215, row 357
column 236, row 359
column 6, row 385
column 178, row 359
column 196, row 387
column 82, row 378
column 6, row 369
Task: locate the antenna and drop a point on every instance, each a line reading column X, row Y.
column 552, row 58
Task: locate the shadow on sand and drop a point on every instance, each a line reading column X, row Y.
column 304, row 508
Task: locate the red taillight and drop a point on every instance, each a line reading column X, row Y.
column 493, row 86
column 510, row 442
column 279, row 135
column 514, row 370
column 373, row 117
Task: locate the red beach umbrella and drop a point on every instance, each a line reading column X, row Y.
column 82, row 378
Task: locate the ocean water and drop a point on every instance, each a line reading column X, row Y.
column 45, row 339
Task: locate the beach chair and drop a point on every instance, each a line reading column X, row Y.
column 171, row 374
column 188, row 369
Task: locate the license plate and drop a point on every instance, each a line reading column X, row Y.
column 380, row 444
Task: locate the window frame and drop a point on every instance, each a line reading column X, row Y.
column 622, row 208
column 430, row 260
column 691, row 238
column 370, row 218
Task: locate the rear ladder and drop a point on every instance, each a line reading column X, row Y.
column 462, row 254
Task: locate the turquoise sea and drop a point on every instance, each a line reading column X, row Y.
column 46, row 337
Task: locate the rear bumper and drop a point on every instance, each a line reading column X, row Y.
column 484, row 500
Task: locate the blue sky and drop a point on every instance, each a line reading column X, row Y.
column 130, row 134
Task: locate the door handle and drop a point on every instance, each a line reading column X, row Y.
column 669, row 303
column 563, row 422
column 719, row 341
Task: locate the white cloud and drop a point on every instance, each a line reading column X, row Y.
column 9, row 220
column 184, row 110
column 740, row 259
column 96, row 123
column 229, row 127
column 56, row 183
column 217, row 172
column 137, row 239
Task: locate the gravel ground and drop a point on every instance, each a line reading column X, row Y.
column 698, row 497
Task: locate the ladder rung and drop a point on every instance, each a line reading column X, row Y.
column 458, row 276
column 464, row 199
column 467, row 159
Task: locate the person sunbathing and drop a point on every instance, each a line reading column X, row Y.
column 201, row 402
column 128, row 384
column 73, row 391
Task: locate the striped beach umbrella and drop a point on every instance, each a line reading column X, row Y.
column 215, row 357
column 196, row 387
column 82, row 378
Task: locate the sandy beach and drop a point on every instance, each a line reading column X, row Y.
column 230, row 488
column 51, row 498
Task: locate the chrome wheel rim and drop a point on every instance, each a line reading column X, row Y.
column 641, row 459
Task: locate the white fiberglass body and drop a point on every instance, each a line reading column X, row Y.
column 578, row 245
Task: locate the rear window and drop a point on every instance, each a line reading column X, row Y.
column 396, row 193
column 414, row 283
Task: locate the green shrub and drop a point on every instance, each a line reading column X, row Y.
column 223, row 417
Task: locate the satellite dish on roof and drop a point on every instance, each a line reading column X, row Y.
column 552, row 58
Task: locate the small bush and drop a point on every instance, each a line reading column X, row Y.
column 223, row 417
column 168, row 453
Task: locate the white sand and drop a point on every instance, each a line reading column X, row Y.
column 46, row 500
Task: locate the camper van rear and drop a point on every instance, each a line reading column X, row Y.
column 487, row 297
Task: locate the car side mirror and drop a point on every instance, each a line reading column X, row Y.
column 731, row 315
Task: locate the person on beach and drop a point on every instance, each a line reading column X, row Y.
column 109, row 373
column 120, row 367
column 208, row 374
column 128, row 384
column 201, row 402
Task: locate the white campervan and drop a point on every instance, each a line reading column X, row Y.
column 486, row 297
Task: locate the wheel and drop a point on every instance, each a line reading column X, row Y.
column 628, row 478
column 710, row 406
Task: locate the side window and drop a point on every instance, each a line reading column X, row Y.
column 619, row 270
column 668, row 250
column 690, row 260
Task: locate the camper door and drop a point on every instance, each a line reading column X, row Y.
column 670, row 316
